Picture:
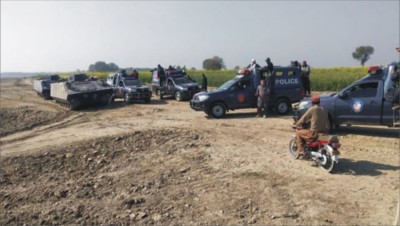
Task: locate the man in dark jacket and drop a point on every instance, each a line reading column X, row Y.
column 161, row 74
column 204, row 83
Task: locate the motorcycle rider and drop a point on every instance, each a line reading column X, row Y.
column 318, row 119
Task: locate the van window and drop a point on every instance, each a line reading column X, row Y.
column 279, row 73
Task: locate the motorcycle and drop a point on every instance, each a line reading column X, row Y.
column 324, row 151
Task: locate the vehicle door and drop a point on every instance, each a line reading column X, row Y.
column 169, row 86
column 241, row 95
column 360, row 103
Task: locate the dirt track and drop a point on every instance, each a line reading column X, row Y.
column 163, row 163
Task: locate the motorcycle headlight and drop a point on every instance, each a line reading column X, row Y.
column 203, row 97
column 305, row 104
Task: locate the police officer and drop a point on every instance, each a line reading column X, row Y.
column 395, row 77
column 262, row 99
column 161, row 75
column 318, row 119
column 270, row 66
column 204, row 83
column 305, row 77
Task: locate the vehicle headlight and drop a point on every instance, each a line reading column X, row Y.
column 203, row 97
column 304, row 104
column 181, row 88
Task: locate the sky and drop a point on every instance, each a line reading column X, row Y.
column 64, row 36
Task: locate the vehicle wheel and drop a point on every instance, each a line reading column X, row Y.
column 326, row 162
column 126, row 98
column 178, row 96
column 217, row 110
column 293, row 148
column 282, row 107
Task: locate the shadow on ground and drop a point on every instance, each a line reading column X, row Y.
column 369, row 131
column 363, row 167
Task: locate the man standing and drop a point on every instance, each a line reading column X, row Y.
column 305, row 77
column 395, row 77
column 262, row 100
column 253, row 64
column 318, row 119
column 204, row 83
column 270, row 66
column 161, row 75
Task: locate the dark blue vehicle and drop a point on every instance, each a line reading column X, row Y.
column 238, row 93
column 176, row 85
column 360, row 103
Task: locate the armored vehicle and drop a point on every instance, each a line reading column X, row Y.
column 80, row 91
column 42, row 87
column 129, row 88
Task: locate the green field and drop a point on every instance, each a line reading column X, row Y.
column 322, row 79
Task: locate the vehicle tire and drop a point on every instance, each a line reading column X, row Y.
column 217, row 110
column 282, row 107
column 293, row 148
column 126, row 98
column 178, row 96
column 326, row 162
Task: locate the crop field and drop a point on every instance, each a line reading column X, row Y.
column 322, row 79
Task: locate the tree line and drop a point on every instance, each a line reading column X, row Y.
column 361, row 53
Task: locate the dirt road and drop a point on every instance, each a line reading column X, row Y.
column 163, row 163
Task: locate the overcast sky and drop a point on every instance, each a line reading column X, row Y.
column 62, row 36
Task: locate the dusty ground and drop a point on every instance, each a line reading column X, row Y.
column 163, row 163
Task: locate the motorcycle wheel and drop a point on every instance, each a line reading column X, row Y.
column 293, row 148
column 326, row 162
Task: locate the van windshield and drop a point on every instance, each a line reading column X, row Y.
column 132, row 82
column 181, row 80
column 228, row 84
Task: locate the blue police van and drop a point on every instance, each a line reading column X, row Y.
column 364, row 102
column 238, row 93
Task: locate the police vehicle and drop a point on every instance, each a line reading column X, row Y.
column 176, row 85
column 128, row 88
column 364, row 102
column 284, row 84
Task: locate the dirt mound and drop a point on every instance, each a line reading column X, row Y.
column 23, row 118
column 120, row 179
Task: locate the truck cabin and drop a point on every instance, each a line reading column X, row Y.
column 116, row 79
column 129, row 81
